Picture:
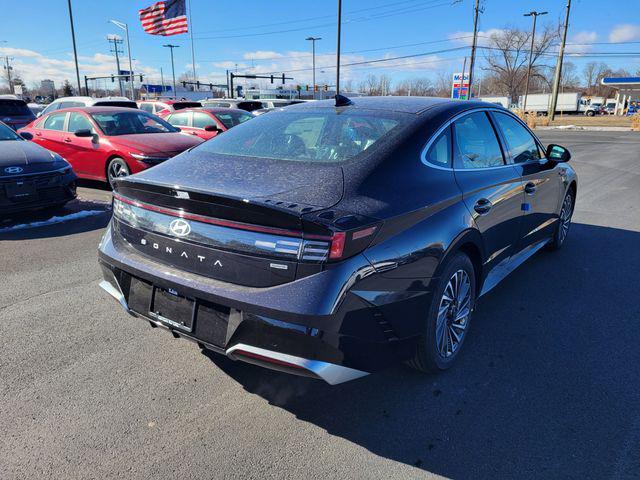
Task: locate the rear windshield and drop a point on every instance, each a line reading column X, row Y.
column 181, row 105
column 306, row 136
column 249, row 106
column 130, row 123
column 231, row 119
column 116, row 103
column 14, row 108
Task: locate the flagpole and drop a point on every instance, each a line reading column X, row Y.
column 193, row 53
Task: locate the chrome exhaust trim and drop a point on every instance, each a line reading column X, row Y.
column 329, row 372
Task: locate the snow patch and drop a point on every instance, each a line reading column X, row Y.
column 52, row 220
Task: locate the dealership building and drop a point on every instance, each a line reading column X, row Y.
column 627, row 91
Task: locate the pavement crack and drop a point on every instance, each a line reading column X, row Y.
column 42, row 294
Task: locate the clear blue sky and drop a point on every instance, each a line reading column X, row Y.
column 37, row 34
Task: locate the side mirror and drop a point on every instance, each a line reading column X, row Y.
column 26, row 135
column 212, row 128
column 83, row 133
column 558, row 154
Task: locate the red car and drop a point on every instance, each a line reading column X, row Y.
column 207, row 122
column 103, row 143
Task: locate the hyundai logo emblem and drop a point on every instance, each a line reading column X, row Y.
column 13, row 170
column 179, row 227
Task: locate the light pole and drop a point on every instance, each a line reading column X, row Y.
column 75, row 51
column 173, row 70
column 535, row 15
column 125, row 27
column 338, row 48
column 313, row 41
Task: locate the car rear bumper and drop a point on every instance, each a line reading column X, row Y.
column 316, row 326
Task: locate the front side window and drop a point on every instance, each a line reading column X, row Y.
column 77, row 121
column 307, row 136
column 233, row 118
column 130, row 123
column 7, row 133
column 55, row 121
column 201, row 120
column 439, row 153
column 520, row 143
column 179, row 119
column 476, row 143
column 147, row 107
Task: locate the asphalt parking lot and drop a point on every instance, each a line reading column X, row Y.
column 549, row 385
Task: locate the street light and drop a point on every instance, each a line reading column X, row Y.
column 173, row 70
column 533, row 14
column 313, row 41
column 125, row 27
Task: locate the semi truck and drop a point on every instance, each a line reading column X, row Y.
column 567, row 103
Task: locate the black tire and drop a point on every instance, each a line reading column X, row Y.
column 116, row 168
column 590, row 113
column 564, row 222
column 428, row 356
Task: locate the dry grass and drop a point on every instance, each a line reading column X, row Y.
column 597, row 121
column 635, row 122
column 531, row 119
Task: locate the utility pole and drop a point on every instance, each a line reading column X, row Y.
column 558, row 74
column 474, row 46
column 125, row 27
column 116, row 50
column 161, row 82
column 338, row 48
column 313, row 53
column 8, row 68
column 75, row 51
column 173, row 70
column 533, row 14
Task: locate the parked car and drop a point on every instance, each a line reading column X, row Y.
column 73, row 102
column 610, row 108
column 31, row 177
column 242, row 104
column 36, row 108
column 163, row 107
column 334, row 239
column 594, row 109
column 207, row 122
column 104, row 143
column 14, row 112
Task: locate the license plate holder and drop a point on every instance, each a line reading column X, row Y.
column 172, row 309
column 20, row 190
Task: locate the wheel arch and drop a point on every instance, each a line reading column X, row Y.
column 470, row 243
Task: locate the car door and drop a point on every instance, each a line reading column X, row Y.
column 492, row 189
column 182, row 120
column 84, row 152
column 49, row 133
column 201, row 120
column 543, row 180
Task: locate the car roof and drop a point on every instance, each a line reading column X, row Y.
column 414, row 105
column 98, row 109
column 92, row 100
column 212, row 109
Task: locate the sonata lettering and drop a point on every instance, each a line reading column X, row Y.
column 183, row 254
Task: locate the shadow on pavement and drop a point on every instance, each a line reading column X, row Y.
column 49, row 223
column 548, row 386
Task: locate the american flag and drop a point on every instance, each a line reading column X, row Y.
column 164, row 18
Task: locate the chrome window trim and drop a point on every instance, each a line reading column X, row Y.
column 447, row 124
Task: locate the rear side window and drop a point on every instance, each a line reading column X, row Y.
column 520, row 143
column 181, row 105
column 439, row 153
column 147, row 107
column 179, row 119
column 55, row 121
column 77, row 121
column 476, row 143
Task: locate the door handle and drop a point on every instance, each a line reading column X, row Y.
column 38, row 134
column 67, row 140
column 530, row 188
column 482, row 206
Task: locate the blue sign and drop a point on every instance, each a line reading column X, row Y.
column 156, row 88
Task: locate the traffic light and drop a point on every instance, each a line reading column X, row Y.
column 184, row 84
column 306, row 87
column 326, row 88
column 112, row 79
column 315, row 88
column 298, row 87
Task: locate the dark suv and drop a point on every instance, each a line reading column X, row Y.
column 332, row 239
column 14, row 112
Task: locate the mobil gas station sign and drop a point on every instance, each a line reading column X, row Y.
column 460, row 86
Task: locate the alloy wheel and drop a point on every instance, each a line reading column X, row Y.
column 453, row 314
column 117, row 169
column 565, row 218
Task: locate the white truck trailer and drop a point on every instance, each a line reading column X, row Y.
column 567, row 103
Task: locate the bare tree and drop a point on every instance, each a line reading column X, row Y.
column 415, row 87
column 507, row 57
column 592, row 73
column 442, row 86
column 374, row 85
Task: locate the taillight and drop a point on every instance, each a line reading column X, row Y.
column 347, row 244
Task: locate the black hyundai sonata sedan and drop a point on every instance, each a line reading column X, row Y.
column 335, row 238
column 31, row 177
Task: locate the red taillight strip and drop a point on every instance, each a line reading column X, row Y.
column 219, row 222
column 267, row 359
